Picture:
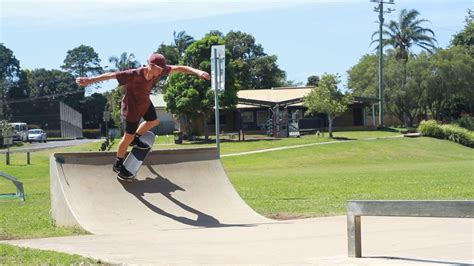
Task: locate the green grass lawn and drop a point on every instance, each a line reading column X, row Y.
column 253, row 143
column 318, row 180
column 310, row 181
column 10, row 255
column 31, row 218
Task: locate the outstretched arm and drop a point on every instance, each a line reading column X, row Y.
column 190, row 70
column 84, row 81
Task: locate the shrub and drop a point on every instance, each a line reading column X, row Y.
column 91, row 133
column 452, row 132
column 6, row 128
column 458, row 134
column 106, row 144
column 430, row 128
column 466, row 122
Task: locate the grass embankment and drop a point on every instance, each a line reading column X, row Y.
column 318, row 180
column 31, row 218
column 262, row 142
column 11, row 255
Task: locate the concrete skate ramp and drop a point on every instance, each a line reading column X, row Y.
column 175, row 189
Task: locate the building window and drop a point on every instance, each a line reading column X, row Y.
column 261, row 118
column 247, row 117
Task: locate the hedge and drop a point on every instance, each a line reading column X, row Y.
column 453, row 132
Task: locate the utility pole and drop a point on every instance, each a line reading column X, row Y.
column 106, row 119
column 381, row 11
column 218, row 84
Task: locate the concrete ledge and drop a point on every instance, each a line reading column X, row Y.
column 412, row 208
column 412, row 135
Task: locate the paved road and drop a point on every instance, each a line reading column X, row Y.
column 50, row 144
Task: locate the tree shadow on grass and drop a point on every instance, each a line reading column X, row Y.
column 342, row 138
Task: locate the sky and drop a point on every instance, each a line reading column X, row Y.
column 309, row 37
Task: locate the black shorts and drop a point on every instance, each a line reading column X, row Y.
column 150, row 115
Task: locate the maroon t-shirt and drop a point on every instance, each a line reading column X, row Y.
column 136, row 100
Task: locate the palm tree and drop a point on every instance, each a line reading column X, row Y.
column 182, row 41
column 126, row 61
column 406, row 33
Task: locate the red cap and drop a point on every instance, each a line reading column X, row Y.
column 157, row 59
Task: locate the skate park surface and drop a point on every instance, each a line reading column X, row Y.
column 182, row 209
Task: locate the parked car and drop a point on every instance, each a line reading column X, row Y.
column 21, row 131
column 38, row 135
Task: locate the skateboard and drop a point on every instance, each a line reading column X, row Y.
column 135, row 158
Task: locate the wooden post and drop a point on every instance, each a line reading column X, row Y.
column 28, row 161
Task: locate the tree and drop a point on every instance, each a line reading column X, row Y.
column 181, row 42
column 9, row 73
column 44, row 89
column 114, row 101
column 437, row 85
column 216, row 33
column 175, row 51
column 465, row 37
column 82, row 61
column 402, row 101
column 124, row 62
column 292, row 83
column 92, row 110
column 328, row 99
column 19, row 92
column 265, row 73
column 406, row 33
column 173, row 54
column 55, row 85
column 20, row 89
column 313, row 81
column 193, row 98
column 254, row 69
column 405, row 87
column 362, row 78
column 450, row 78
column 170, row 53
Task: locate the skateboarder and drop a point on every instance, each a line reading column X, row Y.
column 136, row 102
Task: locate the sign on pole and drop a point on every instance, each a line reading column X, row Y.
column 218, row 67
column 106, row 116
column 218, row 83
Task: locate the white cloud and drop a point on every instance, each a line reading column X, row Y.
column 87, row 12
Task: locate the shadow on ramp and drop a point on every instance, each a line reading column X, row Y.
column 160, row 185
column 174, row 189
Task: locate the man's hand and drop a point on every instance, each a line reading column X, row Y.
column 204, row 75
column 83, row 81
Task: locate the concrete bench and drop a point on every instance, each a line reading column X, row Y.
column 410, row 208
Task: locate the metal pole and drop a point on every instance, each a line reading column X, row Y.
column 8, row 155
column 373, row 115
column 216, row 98
column 381, row 98
column 28, row 160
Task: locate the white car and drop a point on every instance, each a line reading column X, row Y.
column 38, row 135
column 21, row 131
